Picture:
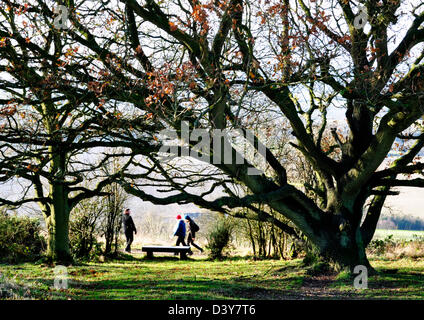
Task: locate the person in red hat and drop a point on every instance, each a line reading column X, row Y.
column 180, row 231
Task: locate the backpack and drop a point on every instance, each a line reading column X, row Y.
column 194, row 227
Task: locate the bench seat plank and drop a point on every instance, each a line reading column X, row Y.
column 181, row 250
column 165, row 249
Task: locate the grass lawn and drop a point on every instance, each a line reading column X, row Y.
column 169, row 278
column 398, row 234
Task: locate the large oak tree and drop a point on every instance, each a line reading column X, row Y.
column 52, row 136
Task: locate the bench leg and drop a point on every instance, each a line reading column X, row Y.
column 183, row 255
column 149, row 254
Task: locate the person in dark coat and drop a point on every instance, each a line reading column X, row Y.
column 192, row 228
column 129, row 228
column 180, row 231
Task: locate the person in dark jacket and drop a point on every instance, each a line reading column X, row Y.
column 180, row 231
column 129, row 228
column 192, row 228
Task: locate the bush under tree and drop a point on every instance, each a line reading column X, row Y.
column 20, row 238
column 111, row 218
column 84, row 228
column 219, row 237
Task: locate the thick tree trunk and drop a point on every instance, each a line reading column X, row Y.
column 346, row 250
column 58, row 226
column 336, row 235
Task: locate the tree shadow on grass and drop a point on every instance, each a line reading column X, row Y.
column 233, row 288
column 162, row 288
column 387, row 284
column 177, row 289
column 139, row 281
column 398, row 279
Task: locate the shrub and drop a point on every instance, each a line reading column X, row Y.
column 94, row 218
column 266, row 240
column 395, row 249
column 84, row 230
column 312, row 255
column 219, row 237
column 20, row 238
column 110, row 225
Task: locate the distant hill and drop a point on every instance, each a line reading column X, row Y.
column 395, row 222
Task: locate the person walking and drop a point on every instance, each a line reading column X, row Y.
column 129, row 228
column 192, row 228
column 180, row 231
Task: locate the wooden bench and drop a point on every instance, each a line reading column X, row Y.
column 182, row 250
